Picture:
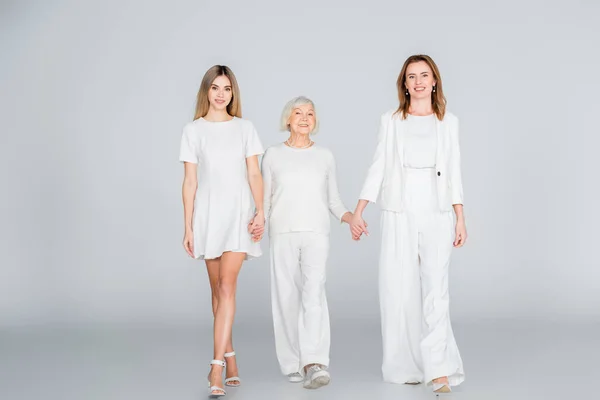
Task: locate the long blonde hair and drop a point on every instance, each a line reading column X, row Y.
column 234, row 108
column 438, row 101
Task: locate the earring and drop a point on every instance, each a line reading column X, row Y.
column 434, row 89
column 407, row 92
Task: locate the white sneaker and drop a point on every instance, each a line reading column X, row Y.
column 316, row 377
column 295, row 377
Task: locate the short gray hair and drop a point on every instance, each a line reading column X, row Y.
column 290, row 106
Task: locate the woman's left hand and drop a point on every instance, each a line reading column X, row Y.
column 461, row 233
column 256, row 227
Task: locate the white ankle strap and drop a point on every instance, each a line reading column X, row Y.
column 230, row 354
column 218, row 362
column 438, row 386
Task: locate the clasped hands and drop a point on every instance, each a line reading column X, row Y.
column 256, row 227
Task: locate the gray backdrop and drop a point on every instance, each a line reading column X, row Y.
column 94, row 95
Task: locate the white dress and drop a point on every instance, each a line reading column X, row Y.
column 224, row 205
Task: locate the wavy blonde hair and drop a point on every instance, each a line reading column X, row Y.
column 438, row 101
column 234, row 108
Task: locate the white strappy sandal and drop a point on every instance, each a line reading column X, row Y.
column 441, row 388
column 212, row 389
column 233, row 378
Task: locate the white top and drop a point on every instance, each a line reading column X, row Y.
column 420, row 141
column 385, row 182
column 300, row 189
column 223, row 206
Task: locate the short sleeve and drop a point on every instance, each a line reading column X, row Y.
column 253, row 145
column 188, row 151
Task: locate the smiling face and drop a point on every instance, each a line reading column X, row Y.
column 419, row 80
column 302, row 120
column 220, row 93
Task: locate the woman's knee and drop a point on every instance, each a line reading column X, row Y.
column 226, row 290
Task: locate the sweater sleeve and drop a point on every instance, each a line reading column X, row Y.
column 336, row 206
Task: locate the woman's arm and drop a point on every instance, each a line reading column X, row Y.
column 360, row 206
column 336, row 206
column 255, row 180
column 461, row 227
column 456, row 187
column 358, row 225
column 190, row 185
column 372, row 186
column 267, row 184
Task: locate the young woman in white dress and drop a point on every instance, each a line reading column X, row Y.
column 223, row 203
column 300, row 194
column 416, row 176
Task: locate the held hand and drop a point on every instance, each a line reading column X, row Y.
column 257, row 234
column 461, row 234
column 358, row 226
column 256, row 227
column 258, row 231
column 188, row 243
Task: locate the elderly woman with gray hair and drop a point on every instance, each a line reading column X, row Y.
column 300, row 191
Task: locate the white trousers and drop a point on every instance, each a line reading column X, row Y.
column 300, row 314
column 418, row 342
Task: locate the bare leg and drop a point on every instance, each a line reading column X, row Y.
column 213, row 267
column 224, row 286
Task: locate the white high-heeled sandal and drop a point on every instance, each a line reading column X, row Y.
column 233, row 378
column 441, row 388
column 212, row 389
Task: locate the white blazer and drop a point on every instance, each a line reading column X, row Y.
column 386, row 176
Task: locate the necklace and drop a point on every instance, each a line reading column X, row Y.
column 310, row 142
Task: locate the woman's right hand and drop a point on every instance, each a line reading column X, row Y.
column 358, row 226
column 256, row 227
column 188, row 243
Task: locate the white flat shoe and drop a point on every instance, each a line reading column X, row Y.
column 295, row 377
column 233, row 378
column 211, row 389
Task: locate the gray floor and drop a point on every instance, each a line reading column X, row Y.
column 503, row 360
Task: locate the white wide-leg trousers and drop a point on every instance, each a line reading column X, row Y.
column 300, row 314
column 418, row 341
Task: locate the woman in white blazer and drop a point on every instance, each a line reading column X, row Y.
column 416, row 176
